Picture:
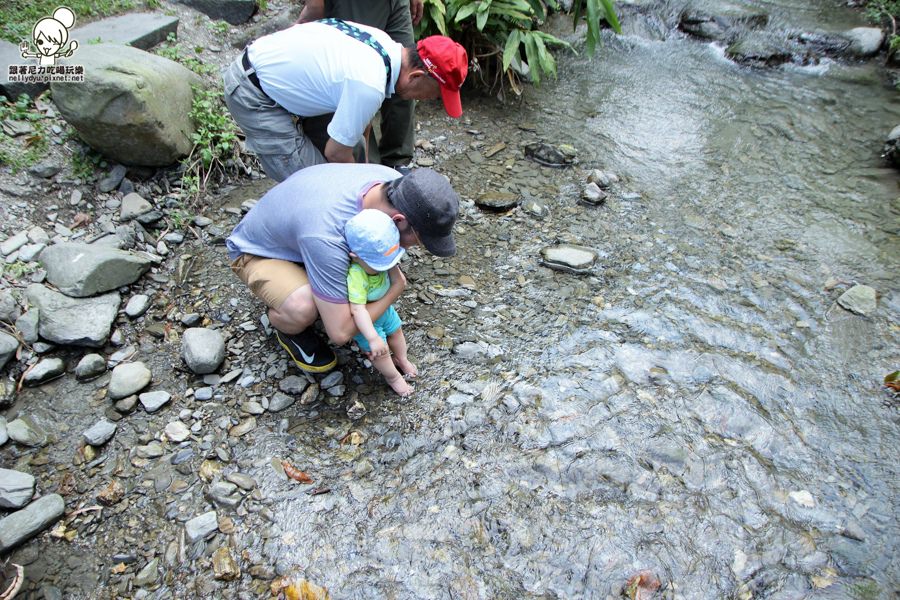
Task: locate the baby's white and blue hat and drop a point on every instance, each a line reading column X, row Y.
column 373, row 236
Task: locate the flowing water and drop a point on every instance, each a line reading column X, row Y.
column 714, row 417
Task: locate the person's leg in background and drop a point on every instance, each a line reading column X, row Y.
column 397, row 115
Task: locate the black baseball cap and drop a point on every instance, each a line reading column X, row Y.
column 430, row 204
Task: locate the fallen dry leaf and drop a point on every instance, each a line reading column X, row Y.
column 641, row 586
column 295, row 473
column 79, row 220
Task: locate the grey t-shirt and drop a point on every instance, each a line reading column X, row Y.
column 302, row 220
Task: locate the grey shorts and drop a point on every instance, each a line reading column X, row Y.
column 273, row 133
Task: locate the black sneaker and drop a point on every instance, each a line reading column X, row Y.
column 308, row 350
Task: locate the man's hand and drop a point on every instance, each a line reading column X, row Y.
column 416, row 10
column 378, row 348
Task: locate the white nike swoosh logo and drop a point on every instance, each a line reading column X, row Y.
column 308, row 358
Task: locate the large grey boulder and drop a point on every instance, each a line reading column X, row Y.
column 202, row 349
column 82, row 270
column 24, row 524
column 16, row 488
column 233, row 11
column 74, row 321
column 133, row 106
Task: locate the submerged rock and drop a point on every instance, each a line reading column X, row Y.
column 568, row 257
column 498, row 201
column 45, row 370
column 24, row 524
column 16, row 488
column 860, row 299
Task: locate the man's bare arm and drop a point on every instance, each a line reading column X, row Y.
column 338, row 153
column 313, row 10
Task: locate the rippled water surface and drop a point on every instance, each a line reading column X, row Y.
column 699, row 406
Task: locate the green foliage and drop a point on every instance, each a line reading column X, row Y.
column 172, row 50
column 215, row 142
column 17, row 270
column 503, row 38
column 23, row 151
column 17, row 17
column 220, row 28
column 85, row 163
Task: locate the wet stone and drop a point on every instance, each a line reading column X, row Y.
column 16, row 488
column 498, row 201
column 24, row 524
column 126, row 405
column 45, row 370
column 293, row 384
column 4, row 435
column 8, row 347
column 149, row 575
column 153, row 401
column 89, row 367
column 224, row 565
column 279, row 402
column 245, row 482
column 201, row 526
column 859, row 299
column 593, row 195
column 568, row 257
column 332, row 379
column 27, row 325
column 245, row 426
column 177, row 431
column 24, row 431
column 203, row 349
column 133, row 206
column 100, row 433
column 128, row 379
column 151, row 450
column 137, row 306
column 112, row 179
column 252, row 408
column 203, row 394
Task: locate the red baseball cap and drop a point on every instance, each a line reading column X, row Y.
column 447, row 62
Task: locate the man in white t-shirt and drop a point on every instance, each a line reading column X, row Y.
column 331, row 66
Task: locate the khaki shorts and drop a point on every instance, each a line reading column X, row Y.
column 270, row 279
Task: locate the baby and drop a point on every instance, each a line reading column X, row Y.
column 374, row 252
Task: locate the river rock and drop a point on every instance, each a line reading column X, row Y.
column 133, row 107
column 200, row 527
column 133, row 206
column 13, row 243
column 224, row 565
column 758, row 50
column 89, row 367
column 74, row 321
column 9, row 308
column 28, row 325
column 4, row 435
column 128, row 379
column 568, row 257
column 293, row 384
column 149, row 575
column 100, row 433
column 203, row 349
column 8, row 347
column 279, row 402
column 177, row 431
column 865, row 41
column 45, row 370
column 16, row 488
column 498, row 201
column 82, row 270
column 24, row 524
column 137, row 305
column 891, row 152
column 593, row 195
column 26, row 432
column 112, row 179
column 859, row 299
column 153, row 401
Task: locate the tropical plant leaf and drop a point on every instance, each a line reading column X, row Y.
column 481, row 18
column 547, row 62
column 465, row 11
column 511, row 49
column 437, row 12
column 593, row 24
column 611, row 17
column 531, row 55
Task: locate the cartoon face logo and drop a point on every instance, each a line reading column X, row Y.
column 50, row 35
